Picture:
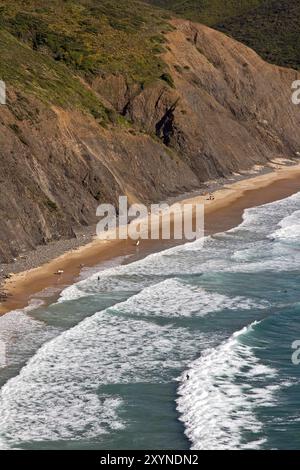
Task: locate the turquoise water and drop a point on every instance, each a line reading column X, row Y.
column 187, row 348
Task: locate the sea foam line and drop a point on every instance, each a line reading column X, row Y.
column 219, row 393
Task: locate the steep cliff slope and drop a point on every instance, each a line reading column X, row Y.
column 228, row 108
column 57, row 166
column 72, row 138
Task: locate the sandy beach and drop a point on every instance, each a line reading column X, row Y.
column 222, row 213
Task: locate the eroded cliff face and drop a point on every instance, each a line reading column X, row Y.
column 229, row 109
column 222, row 110
column 57, row 166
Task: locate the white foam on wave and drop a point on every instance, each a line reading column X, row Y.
column 262, row 218
column 130, row 278
column 275, row 261
column 172, row 298
column 245, row 248
column 110, row 273
column 121, row 278
column 57, row 396
column 20, row 334
column 289, row 230
column 226, row 386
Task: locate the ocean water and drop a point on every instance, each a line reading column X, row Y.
column 190, row 348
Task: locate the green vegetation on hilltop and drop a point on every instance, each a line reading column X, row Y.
column 208, row 12
column 54, row 49
column 270, row 27
column 89, row 35
column 41, row 76
column 51, row 48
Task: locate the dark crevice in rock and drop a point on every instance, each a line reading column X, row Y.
column 165, row 127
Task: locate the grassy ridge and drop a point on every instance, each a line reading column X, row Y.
column 51, row 48
column 208, row 12
column 42, row 77
column 271, row 27
column 89, row 35
column 47, row 48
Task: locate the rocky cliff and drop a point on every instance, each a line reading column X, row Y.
column 219, row 109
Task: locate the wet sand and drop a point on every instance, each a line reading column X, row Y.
column 221, row 214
